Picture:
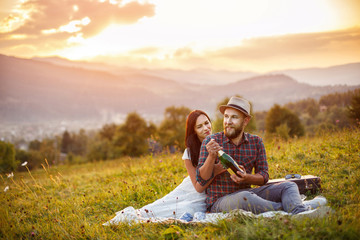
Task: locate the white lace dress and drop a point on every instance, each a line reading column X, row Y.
column 183, row 199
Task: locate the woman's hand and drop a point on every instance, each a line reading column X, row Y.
column 218, row 169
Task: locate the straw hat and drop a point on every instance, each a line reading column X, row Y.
column 239, row 104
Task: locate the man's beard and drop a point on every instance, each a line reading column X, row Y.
column 237, row 130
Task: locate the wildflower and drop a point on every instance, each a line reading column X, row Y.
column 6, row 188
column 10, row 175
column 24, row 164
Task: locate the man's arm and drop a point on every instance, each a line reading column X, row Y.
column 218, row 169
column 208, row 155
column 207, row 169
column 261, row 175
column 261, row 164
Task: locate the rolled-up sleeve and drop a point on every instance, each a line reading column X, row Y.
column 261, row 165
column 203, row 155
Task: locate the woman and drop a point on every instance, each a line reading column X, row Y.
column 188, row 197
column 198, row 127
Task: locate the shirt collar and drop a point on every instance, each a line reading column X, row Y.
column 245, row 139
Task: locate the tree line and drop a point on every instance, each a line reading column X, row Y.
column 330, row 112
column 136, row 136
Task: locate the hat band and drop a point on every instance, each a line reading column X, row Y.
column 238, row 107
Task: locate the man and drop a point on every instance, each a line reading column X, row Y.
column 227, row 192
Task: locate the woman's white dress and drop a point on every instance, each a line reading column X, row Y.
column 183, row 199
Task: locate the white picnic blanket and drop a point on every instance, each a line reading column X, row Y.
column 130, row 215
column 185, row 204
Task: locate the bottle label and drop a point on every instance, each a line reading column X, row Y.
column 230, row 171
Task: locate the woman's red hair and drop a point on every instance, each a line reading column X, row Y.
column 192, row 141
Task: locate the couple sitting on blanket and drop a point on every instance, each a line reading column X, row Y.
column 210, row 188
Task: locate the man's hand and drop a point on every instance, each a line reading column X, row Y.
column 242, row 179
column 213, row 147
column 254, row 179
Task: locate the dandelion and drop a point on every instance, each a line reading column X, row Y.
column 24, row 164
column 6, row 189
column 10, row 175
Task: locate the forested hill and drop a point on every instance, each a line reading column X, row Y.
column 32, row 90
column 265, row 91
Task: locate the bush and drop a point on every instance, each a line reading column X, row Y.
column 278, row 116
column 283, row 131
column 7, row 157
column 131, row 138
column 33, row 158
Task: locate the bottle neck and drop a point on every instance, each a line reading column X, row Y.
column 220, row 152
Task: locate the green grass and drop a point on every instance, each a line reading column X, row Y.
column 72, row 202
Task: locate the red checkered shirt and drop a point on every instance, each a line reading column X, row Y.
column 250, row 153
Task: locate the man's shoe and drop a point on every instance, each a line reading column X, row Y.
column 316, row 202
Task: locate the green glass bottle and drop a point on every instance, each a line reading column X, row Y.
column 229, row 163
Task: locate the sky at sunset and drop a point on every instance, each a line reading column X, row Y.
column 255, row 35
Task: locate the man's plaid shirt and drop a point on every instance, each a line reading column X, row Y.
column 250, row 154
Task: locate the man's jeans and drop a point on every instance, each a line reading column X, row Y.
column 281, row 196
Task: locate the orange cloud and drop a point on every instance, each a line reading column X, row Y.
column 287, row 45
column 295, row 50
column 260, row 54
column 183, row 52
column 59, row 20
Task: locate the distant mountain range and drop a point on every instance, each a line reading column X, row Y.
column 348, row 74
column 39, row 90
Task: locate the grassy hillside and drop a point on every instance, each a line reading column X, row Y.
column 72, row 202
